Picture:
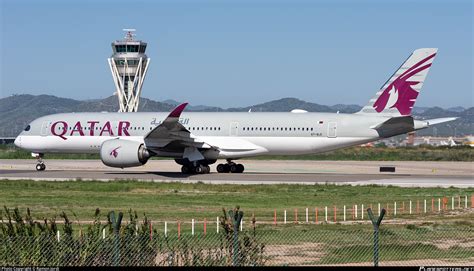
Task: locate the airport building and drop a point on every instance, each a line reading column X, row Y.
column 128, row 65
column 413, row 140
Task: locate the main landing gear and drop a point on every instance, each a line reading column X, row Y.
column 202, row 166
column 195, row 169
column 230, row 167
column 39, row 157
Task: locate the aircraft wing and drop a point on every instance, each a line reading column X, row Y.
column 172, row 131
column 171, row 136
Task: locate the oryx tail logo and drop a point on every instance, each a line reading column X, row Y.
column 400, row 93
column 114, row 152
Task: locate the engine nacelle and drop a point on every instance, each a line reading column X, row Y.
column 123, row 153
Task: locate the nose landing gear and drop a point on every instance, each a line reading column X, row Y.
column 40, row 166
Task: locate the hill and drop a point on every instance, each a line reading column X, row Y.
column 18, row 110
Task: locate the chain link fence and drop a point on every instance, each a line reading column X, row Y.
column 28, row 243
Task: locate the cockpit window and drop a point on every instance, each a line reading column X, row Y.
column 27, row 128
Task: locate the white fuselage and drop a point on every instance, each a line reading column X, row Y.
column 236, row 135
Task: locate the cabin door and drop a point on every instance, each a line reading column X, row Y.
column 234, row 128
column 45, row 127
column 332, row 129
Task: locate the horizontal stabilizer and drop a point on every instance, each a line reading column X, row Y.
column 405, row 124
column 394, row 120
column 440, row 120
column 394, row 126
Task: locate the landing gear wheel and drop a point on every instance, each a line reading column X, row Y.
column 40, row 167
column 230, row 167
column 185, row 169
column 233, row 168
column 39, row 158
column 221, row 168
column 195, row 169
column 240, row 168
column 199, row 169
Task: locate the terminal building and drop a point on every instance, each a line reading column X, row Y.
column 128, row 65
column 413, row 140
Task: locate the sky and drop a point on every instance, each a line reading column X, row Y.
column 238, row 53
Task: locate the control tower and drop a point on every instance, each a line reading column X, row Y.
column 128, row 65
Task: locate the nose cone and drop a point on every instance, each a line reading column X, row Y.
column 18, row 141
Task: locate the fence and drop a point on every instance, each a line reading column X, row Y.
column 415, row 245
column 27, row 243
column 395, row 209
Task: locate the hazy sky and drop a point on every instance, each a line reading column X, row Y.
column 236, row 53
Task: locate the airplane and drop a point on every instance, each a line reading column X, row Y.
column 198, row 139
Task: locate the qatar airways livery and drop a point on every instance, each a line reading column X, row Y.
column 197, row 140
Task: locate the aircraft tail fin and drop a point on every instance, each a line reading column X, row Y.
column 398, row 95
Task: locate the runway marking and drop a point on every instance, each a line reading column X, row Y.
column 412, row 174
column 461, row 183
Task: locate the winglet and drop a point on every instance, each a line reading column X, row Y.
column 177, row 111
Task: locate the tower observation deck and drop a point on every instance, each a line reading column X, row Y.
column 128, row 65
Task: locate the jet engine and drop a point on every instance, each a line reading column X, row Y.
column 123, row 153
